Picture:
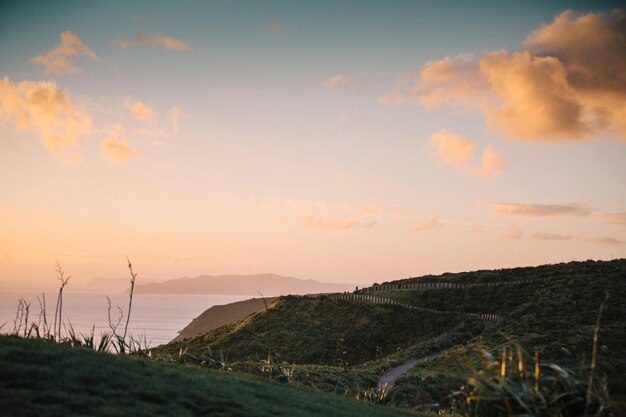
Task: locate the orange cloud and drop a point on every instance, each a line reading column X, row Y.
column 45, row 109
column 491, row 162
column 613, row 218
column 458, row 151
column 451, row 148
column 551, row 236
column 603, row 240
column 59, row 59
column 568, row 82
column 175, row 113
column 141, row 111
column 513, row 232
column 427, row 223
column 151, row 133
column 117, row 151
column 535, row 210
column 335, row 82
column 158, row 40
column 335, row 224
column 371, row 210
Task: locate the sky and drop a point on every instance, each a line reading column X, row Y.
column 342, row 141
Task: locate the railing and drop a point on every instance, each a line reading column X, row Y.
column 440, row 285
column 374, row 299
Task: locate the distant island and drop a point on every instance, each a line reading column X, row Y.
column 266, row 284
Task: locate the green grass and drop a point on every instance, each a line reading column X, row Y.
column 321, row 331
column 40, row 378
column 556, row 318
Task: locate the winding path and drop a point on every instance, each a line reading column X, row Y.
column 388, row 380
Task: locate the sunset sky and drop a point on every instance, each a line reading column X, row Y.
column 342, row 141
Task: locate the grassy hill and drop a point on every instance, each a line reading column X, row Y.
column 556, row 318
column 220, row 315
column 323, row 331
column 39, row 378
column 554, row 314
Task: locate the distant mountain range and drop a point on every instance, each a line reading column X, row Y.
column 266, row 284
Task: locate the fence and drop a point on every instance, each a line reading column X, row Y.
column 439, row 285
column 374, row 299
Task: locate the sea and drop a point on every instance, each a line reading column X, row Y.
column 158, row 317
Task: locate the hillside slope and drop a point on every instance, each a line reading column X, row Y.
column 44, row 379
column 220, row 315
column 325, row 331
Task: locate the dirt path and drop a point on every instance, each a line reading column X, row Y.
column 390, row 377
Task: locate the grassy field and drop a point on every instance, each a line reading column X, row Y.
column 322, row 331
column 39, row 378
column 556, row 318
column 326, row 344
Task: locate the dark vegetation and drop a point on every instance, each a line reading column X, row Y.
column 42, row 378
column 550, row 331
column 323, row 331
column 555, row 318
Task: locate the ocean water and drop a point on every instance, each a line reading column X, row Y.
column 157, row 316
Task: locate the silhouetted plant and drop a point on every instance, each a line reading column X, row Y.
column 58, row 313
column 122, row 345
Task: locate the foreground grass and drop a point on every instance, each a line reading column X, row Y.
column 39, row 378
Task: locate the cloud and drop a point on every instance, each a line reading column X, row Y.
column 371, row 210
column 175, row 113
column 336, row 224
column 491, row 162
column 551, row 236
column 458, row 151
column 151, row 133
column 158, row 40
column 513, row 232
column 451, row 148
column 59, row 59
column 603, row 240
column 535, row 210
column 568, row 81
column 335, row 82
column 427, row 223
column 43, row 108
column 141, row 111
column 117, row 151
column 613, row 218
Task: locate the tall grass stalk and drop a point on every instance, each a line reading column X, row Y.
column 58, row 313
column 594, row 353
column 269, row 331
column 133, row 277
